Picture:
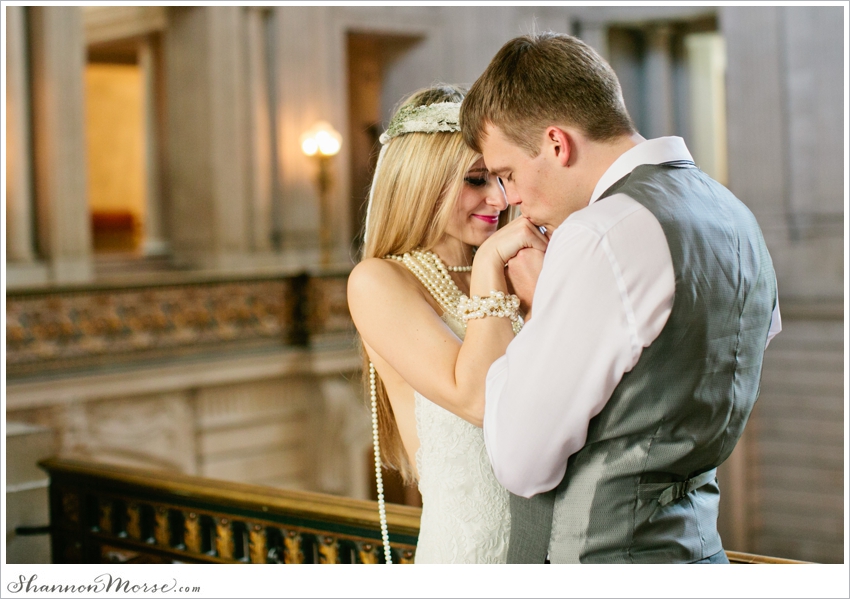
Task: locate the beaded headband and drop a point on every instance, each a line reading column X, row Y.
column 431, row 118
column 443, row 117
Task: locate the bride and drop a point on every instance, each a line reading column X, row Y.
column 427, row 345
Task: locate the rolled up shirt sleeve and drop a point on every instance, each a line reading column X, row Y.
column 605, row 293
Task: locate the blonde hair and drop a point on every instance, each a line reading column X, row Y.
column 414, row 193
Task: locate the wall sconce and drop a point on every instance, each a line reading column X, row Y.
column 321, row 142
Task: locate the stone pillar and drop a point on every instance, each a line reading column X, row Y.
column 155, row 239
column 706, row 56
column 258, row 133
column 301, row 102
column 19, row 210
column 309, row 59
column 206, row 109
column 659, row 84
column 58, row 62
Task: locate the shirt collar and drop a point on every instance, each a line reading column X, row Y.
column 651, row 151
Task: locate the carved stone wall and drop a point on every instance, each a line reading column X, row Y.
column 252, row 381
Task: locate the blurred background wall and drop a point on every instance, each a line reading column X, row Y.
column 176, row 275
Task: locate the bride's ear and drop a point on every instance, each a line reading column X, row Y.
column 559, row 143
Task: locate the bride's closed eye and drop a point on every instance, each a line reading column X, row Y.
column 477, row 177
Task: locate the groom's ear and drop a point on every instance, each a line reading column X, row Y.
column 560, row 144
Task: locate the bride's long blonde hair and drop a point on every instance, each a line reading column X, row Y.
column 414, row 192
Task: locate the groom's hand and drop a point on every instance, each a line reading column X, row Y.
column 521, row 273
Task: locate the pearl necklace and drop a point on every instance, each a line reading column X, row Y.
column 459, row 268
column 434, row 275
column 379, row 478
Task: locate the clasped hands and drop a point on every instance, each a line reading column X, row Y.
column 519, row 247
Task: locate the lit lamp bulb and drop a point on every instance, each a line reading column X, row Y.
column 321, row 139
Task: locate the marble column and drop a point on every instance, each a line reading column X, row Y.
column 57, row 63
column 19, row 210
column 309, row 55
column 155, row 240
column 706, row 56
column 206, row 114
column 258, row 132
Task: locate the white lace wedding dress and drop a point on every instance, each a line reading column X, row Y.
column 465, row 513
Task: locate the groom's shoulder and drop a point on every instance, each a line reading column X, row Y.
column 617, row 212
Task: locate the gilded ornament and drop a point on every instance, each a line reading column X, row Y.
column 192, row 532
column 134, row 521
column 257, row 544
column 224, row 539
column 292, row 553
column 328, row 550
column 105, row 515
column 162, row 530
column 368, row 553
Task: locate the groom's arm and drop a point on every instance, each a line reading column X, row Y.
column 599, row 300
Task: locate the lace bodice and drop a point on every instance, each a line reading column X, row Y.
column 465, row 513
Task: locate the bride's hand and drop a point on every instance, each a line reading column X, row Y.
column 517, row 235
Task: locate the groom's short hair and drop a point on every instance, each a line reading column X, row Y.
column 545, row 79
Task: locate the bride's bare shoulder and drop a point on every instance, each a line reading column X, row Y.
column 375, row 276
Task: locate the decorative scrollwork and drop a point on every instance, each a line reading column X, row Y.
column 71, row 506
column 134, row 521
column 368, row 553
column 257, row 544
column 224, row 538
column 328, row 550
column 104, row 520
column 192, row 532
column 162, row 530
column 292, row 553
column 407, row 556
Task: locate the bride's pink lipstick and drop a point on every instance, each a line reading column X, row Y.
column 492, row 220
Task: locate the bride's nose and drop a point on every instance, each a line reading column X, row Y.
column 496, row 196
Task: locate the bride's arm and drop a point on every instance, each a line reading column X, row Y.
column 392, row 312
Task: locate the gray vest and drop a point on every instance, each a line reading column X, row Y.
column 643, row 488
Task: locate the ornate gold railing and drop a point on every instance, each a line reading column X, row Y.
column 101, row 513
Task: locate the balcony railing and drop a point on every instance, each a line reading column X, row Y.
column 101, row 513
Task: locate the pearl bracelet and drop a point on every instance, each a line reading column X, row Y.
column 498, row 304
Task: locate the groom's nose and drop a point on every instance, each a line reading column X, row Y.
column 511, row 196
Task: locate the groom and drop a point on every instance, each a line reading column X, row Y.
column 633, row 380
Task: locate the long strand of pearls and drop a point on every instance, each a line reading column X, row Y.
column 379, row 478
column 434, row 275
